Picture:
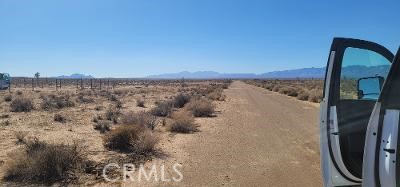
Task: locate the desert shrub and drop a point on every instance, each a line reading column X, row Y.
column 216, row 95
column 113, row 113
column 8, row 98
column 113, row 97
column 47, row 163
column 183, row 123
column 56, row 102
column 315, row 96
column 276, row 88
column 131, row 138
column 201, row 107
column 21, row 104
column 19, row 92
column 97, row 118
column 143, row 119
column 60, row 118
column 163, row 108
column 140, row 102
column 303, row 95
column 103, row 126
column 84, row 99
column 180, row 100
column 287, row 90
column 20, row 136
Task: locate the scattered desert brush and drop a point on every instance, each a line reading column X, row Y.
column 131, row 139
column 163, row 108
column 302, row 89
column 103, row 126
column 46, row 163
column 142, row 118
column 21, row 104
column 183, row 123
column 201, row 107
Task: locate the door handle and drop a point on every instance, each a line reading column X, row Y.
column 391, row 151
column 335, row 133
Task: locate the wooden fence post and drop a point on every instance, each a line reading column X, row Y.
column 91, row 84
column 33, row 84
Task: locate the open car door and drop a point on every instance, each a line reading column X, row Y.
column 354, row 77
column 382, row 151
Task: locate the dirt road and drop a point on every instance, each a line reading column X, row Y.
column 259, row 138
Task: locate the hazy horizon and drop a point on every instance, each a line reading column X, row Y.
column 142, row 38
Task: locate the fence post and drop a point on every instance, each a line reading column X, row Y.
column 56, row 85
column 91, row 84
column 9, row 86
column 33, row 84
column 100, row 84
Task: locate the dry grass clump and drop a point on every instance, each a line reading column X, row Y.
column 60, row 118
column 45, row 163
column 21, row 104
column 142, row 118
column 140, row 102
column 302, row 89
column 102, row 126
column 113, row 113
column 82, row 98
column 163, row 108
column 56, row 102
column 180, row 100
column 132, row 139
column 315, row 96
column 201, row 107
column 183, row 123
column 303, row 95
column 20, row 136
column 8, row 98
column 216, row 95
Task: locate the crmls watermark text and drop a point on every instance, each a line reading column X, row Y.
column 155, row 173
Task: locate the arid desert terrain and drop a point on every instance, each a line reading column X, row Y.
column 234, row 133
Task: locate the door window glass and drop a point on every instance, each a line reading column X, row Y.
column 362, row 74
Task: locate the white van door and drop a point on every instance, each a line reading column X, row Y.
column 381, row 155
column 354, row 67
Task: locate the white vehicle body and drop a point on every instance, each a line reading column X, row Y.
column 360, row 115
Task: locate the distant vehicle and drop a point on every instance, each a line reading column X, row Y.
column 5, row 81
column 359, row 116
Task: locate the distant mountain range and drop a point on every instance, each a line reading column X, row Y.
column 296, row 73
column 354, row 71
column 75, row 76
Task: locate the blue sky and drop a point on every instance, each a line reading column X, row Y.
column 129, row 38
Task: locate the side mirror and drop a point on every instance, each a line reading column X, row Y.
column 369, row 87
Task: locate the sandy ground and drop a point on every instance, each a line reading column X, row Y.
column 259, row 138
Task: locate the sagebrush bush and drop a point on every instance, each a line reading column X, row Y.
column 21, row 104
column 44, row 162
column 303, row 95
column 163, row 108
column 113, row 114
column 216, row 95
column 183, row 123
column 20, row 136
column 56, row 102
column 82, row 98
column 8, row 98
column 131, row 138
column 142, row 118
column 180, row 100
column 102, row 126
column 315, row 96
column 60, row 118
column 201, row 107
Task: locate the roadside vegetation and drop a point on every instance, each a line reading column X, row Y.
column 56, row 130
column 302, row 89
